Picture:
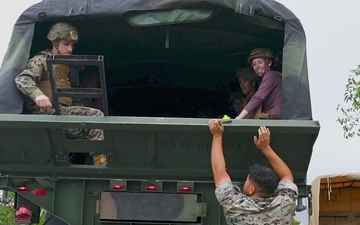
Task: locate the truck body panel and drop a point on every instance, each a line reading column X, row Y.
column 165, row 152
column 161, row 65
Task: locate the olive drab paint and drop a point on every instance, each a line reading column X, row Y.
column 160, row 166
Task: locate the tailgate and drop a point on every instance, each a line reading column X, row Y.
column 139, row 147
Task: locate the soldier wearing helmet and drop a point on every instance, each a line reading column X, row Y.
column 63, row 37
column 248, row 83
column 63, row 31
column 268, row 95
column 33, row 82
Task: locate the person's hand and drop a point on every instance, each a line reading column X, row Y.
column 43, row 101
column 216, row 127
column 263, row 141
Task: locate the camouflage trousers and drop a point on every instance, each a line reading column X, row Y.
column 99, row 159
column 75, row 133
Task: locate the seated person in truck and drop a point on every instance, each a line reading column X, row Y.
column 248, row 83
column 268, row 94
column 33, row 82
column 237, row 103
column 264, row 199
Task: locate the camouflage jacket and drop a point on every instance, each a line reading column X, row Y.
column 240, row 209
column 36, row 70
column 27, row 81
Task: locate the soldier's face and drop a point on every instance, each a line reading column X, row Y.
column 245, row 86
column 65, row 47
column 261, row 66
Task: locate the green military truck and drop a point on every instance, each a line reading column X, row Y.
column 164, row 68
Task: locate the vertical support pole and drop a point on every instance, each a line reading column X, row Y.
column 167, row 38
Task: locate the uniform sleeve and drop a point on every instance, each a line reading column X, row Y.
column 236, row 205
column 226, row 192
column 26, row 80
column 267, row 85
column 287, row 188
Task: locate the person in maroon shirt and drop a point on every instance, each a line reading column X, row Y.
column 269, row 92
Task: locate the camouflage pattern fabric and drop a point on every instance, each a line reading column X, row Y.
column 35, row 71
column 26, row 82
column 91, row 134
column 240, row 209
column 63, row 31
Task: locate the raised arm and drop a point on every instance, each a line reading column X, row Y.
column 263, row 143
column 217, row 157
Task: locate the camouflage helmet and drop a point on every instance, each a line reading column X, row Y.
column 247, row 73
column 261, row 53
column 63, row 31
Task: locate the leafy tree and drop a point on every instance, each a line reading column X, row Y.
column 295, row 222
column 351, row 112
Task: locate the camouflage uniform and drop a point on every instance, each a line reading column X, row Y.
column 240, row 209
column 36, row 73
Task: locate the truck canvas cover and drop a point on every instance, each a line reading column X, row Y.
column 160, row 61
column 295, row 88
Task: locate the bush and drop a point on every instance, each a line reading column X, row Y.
column 7, row 215
column 7, row 212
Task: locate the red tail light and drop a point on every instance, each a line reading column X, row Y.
column 23, row 214
column 22, row 188
column 185, row 188
column 151, row 187
column 118, row 186
column 39, row 191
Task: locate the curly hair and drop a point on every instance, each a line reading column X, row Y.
column 264, row 178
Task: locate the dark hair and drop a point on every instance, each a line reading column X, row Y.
column 264, row 178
